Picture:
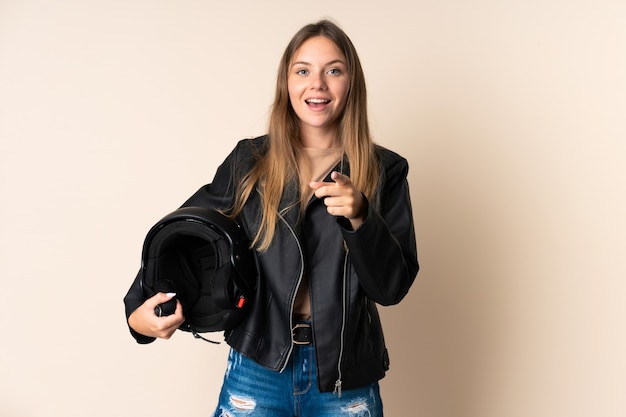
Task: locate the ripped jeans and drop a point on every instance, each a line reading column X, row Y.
column 252, row 390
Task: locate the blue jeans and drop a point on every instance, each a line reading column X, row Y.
column 252, row 390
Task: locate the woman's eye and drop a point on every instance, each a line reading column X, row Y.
column 334, row 71
column 302, row 72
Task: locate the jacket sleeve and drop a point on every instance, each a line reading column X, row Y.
column 218, row 194
column 383, row 249
column 133, row 299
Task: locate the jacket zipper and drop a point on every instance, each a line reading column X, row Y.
column 339, row 381
column 293, row 299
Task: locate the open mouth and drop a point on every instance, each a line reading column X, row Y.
column 315, row 101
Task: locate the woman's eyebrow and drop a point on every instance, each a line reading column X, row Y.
column 333, row 62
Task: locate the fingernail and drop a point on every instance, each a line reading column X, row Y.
column 171, row 294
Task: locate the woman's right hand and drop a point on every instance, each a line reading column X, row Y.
column 145, row 321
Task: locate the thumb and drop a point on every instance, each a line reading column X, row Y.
column 160, row 298
column 339, row 178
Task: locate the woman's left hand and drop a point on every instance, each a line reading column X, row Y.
column 342, row 198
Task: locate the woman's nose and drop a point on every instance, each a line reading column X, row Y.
column 318, row 82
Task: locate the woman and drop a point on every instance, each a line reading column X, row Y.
column 330, row 218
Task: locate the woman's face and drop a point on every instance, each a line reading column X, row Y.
column 318, row 83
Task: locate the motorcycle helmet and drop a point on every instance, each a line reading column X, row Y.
column 206, row 259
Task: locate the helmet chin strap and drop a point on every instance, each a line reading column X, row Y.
column 198, row 336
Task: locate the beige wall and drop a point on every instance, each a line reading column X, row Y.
column 511, row 115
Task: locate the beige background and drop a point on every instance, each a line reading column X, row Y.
column 511, row 114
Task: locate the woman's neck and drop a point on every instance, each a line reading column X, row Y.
column 319, row 138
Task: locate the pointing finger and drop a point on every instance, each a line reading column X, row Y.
column 317, row 184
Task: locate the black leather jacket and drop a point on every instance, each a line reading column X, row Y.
column 349, row 272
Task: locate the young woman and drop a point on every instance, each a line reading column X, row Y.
column 330, row 217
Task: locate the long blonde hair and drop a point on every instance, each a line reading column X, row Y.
column 272, row 173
